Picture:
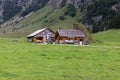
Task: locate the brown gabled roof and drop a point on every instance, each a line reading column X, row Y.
column 71, row 33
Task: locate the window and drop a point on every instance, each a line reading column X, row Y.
column 40, row 38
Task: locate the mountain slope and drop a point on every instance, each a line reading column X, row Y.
column 45, row 17
column 9, row 8
column 95, row 14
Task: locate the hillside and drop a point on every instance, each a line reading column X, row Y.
column 45, row 17
column 96, row 15
column 109, row 37
column 10, row 8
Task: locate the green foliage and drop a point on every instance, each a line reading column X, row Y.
column 62, row 17
column 115, row 22
column 71, row 10
column 34, row 7
column 101, row 8
column 10, row 9
column 63, row 3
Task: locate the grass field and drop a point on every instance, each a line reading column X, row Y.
column 21, row 60
column 107, row 38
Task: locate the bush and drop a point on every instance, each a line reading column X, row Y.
column 66, row 13
column 63, row 3
column 62, row 17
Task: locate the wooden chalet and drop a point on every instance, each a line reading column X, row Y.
column 70, row 36
column 44, row 35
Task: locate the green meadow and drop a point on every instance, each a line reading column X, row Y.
column 21, row 60
column 107, row 38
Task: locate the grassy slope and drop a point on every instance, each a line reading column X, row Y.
column 27, row 61
column 29, row 23
column 45, row 17
column 110, row 37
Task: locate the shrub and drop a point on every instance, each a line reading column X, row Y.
column 62, row 17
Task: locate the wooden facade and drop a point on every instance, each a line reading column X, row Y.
column 70, row 37
column 44, row 35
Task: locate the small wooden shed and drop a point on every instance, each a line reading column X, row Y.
column 44, row 35
column 70, row 36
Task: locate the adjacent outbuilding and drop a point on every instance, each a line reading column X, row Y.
column 70, row 37
column 44, row 35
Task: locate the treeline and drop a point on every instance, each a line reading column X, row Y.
column 10, row 9
column 34, row 7
column 115, row 22
column 63, row 3
column 101, row 15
